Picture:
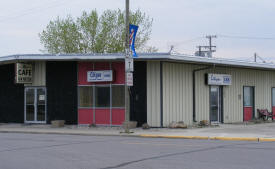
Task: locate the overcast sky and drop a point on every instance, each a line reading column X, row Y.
column 176, row 22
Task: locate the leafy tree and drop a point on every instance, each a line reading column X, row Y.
column 91, row 33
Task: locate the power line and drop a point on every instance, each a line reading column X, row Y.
column 33, row 10
column 176, row 44
column 186, row 41
column 246, row 37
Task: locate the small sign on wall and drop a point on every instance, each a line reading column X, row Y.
column 130, row 79
column 41, row 97
column 219, row 79
column 100, row 76
column 129, row 64
column 23, row 73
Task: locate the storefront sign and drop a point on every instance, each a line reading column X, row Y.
column 23, row 73
column 129, row 64
column 129, row 79
column 218, row 79
column 100, row 76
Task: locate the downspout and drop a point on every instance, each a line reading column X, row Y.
column 194, row 89
column 161, row 94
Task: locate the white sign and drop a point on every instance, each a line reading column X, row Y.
column 23, row 73
column 41, row 97
column 219, row 79
column 129, row 79
column 129, row 64
column 100, row 76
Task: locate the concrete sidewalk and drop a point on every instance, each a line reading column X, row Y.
column 244, row 131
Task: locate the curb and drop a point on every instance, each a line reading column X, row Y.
column 236, row 138
column 66, row 133
column 257, row 139
column 178, row 137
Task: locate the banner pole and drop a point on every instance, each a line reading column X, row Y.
column 127, row 55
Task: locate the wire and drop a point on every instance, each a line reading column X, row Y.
column 246, row 37
column 174, row 45
column 33, row 10
column 188, row 41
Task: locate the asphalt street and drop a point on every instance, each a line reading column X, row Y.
column 46, row 151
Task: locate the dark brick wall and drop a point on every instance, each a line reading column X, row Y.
column 61, row 82
column 11, row 96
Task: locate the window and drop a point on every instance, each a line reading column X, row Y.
column 118, row 96
column 248, row 96
column 85, row 96
column 273, row 96
column 102, row 96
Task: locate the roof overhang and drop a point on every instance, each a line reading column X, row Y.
column 148, row 57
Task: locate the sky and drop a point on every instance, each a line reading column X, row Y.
column 243, row 27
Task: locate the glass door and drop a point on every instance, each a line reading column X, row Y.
column 29, row 104
column 215, row 103
column 273, row 101
column 35, row 105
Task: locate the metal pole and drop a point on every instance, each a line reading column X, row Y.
column 127, row 29
column 127, row 55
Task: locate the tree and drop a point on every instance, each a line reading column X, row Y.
column 91, row 33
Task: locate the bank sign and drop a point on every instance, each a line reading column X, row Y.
column 219, row 79
column 100, row 76
column 23, row 73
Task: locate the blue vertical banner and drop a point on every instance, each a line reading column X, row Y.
column 132, row 35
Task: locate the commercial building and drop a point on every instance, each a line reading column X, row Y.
column 89, row 89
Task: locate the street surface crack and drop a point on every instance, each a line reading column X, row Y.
column 172, row 154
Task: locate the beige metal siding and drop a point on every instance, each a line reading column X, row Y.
column 177, row 93
column 202, row 96
column 153, row 94
column 39, row 74
column 233, row 94
column 262, row 82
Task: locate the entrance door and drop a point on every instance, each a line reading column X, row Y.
column 139, row 94
column 273, row 101
column 216, row 104
column 248, row 103
column 35, row 105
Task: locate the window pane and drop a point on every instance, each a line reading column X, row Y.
column 41, row 97
column 248, row 96
column 41, row 112
column 118, row 96
column 85, row 96
column 102, row 96
column 30, row 112
column 30, row 96
column 273, row 96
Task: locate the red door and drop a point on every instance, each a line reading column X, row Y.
column 248, row 103
column 248, row 113
column 273, row 101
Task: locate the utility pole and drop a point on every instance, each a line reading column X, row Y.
column 127, row 55
column 207, row 49
column 210, row 43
